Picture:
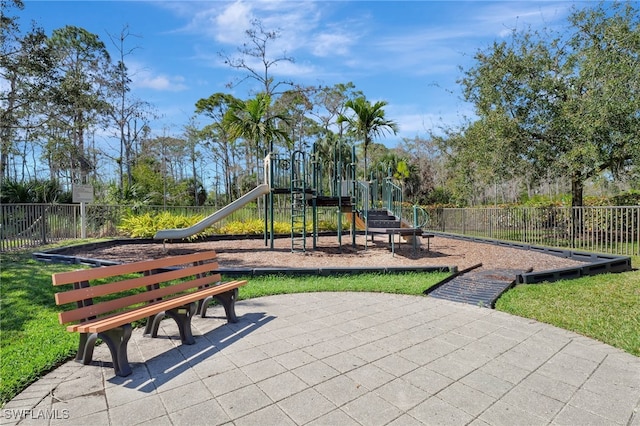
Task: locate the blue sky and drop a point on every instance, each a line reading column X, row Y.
column 407, row 53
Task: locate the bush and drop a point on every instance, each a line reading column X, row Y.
column 146, row 225
column 33, row 191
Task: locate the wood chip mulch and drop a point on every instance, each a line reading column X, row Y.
column 252, row 253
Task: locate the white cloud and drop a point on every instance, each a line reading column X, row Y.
column 232, row 22
column 332, row 44
column 142, row 78
column 164, row 83
column 501, row 18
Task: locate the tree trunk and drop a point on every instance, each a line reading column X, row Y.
column 7, row 118
column 577, row 187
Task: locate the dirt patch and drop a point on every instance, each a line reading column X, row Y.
column 252, row 253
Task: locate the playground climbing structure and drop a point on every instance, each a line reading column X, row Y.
column 300, row 177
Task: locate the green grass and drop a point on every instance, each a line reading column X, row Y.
column 406, row 283
column 32, row 342
column 605, row 307
column 31, row 339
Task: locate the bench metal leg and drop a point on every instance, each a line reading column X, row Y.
column 117, row 340
column 182, row 316
column 228, row 301
column 85, row 347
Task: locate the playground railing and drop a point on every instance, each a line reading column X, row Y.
column 420, row 216
column 362, row 197
column 392, row 198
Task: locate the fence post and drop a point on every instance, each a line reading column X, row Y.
column 43, row 227
column 636, row 225
column 464, row 222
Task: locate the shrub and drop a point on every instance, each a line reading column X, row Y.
column 146, row 225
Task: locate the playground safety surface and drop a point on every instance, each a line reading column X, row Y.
column 252, row 253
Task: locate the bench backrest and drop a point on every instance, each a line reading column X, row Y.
column 149, row 284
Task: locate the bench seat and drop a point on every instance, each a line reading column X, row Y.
column 109, row 299
column 102, row 324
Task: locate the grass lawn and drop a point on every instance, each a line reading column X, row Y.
column 31, row 339
column 604, row 307
column 32, row 342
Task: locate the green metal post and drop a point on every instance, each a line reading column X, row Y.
column 314, row 206
column 266, row 211
column 271, row 195
column 354, row 194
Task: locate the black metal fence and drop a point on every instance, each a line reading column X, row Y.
column 32, row 225
column 614, row 230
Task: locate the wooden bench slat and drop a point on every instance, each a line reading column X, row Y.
column 168, row 287
column 107, row 323
column 131, row 283
column 107, row 306
column 71, row 277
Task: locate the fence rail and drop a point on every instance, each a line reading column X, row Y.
column 32, row 225
column 614, row 230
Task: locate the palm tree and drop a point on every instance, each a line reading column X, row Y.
column 252, row 121
column 368, row 122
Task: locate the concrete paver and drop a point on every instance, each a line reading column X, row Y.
column 346, row 359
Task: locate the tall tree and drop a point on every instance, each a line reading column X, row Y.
column 251, row 121
column 220, row 138
column 566, row 104
column 193, row 139
column 256, row 51
column 368, row 122
column 25, row 65
column 425, row 163
column 83, row 71
column 131, row 116
column 295, row 104
column 330, row 102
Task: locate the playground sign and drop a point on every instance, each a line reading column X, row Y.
column 82, row 193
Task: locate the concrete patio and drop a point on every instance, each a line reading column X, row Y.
column 347, row 359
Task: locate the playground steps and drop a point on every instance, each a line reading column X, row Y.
column 328, row 201
column 381, row 219
column 480, row 287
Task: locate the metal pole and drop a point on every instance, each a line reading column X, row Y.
column 83, row 219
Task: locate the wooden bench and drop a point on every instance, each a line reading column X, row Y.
column 178, row 286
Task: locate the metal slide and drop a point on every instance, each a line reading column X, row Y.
column 174, row 234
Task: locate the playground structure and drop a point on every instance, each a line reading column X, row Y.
column 308, row 187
